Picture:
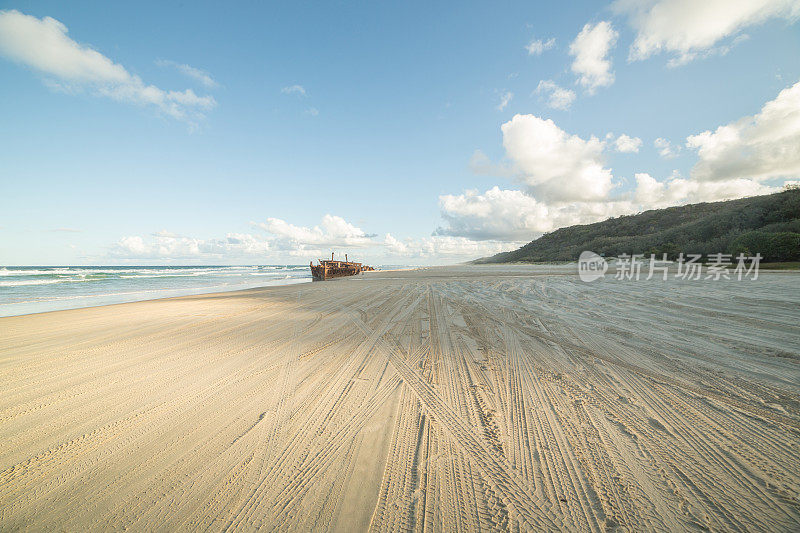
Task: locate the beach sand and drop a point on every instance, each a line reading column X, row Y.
column 459, row 398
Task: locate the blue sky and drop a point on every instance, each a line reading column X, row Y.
column 376, row 128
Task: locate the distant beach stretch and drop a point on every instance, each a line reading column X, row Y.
column 459, row 398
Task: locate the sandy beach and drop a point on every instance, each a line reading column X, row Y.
column 458, row 398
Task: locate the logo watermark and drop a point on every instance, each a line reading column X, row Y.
column 592, row 266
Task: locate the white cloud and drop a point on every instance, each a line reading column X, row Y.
column 495, row 215
column 554, row 165
column 505, row 99
column 132, row 245
column 397, row 247
column 294, row 89
column 652, row 194
column 282, row 240
column 627, row 144
column 285, row 241
column 333, row 231
column 537, row 46
column 510, row 216
column 195, row 73
column 43, row 45
column 666, row 148
column 760, row 147
column 567, row 183
column 461, row 247
column 164, row 245
column 313, row 111
column 514, row 216
column 590, row 49
column 446, row 247
column 686, row 28
column 557, row 97
column 239, row 244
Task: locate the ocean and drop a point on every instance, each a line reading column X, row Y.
column 34, row 289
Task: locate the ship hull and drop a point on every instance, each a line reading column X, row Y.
column 321, row 273
column 336, row 269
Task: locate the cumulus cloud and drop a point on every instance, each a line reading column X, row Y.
column 398, row 247
column 505, row 99
column 627, row 144
column 666, row 148
column 567, row 182
column 282, row 240
column 164, row 245
column 687, row 28
column 132, row 245
column 461, row 247
column 444, row 247
column 652, row 194
column 43, row 45
column 495, row 215
column 537, row 46
column 195, row 73
column 294, row 89
column 514, row 216
column 555, row 165
column 557, row 97
column 760, row 147
column 333, row 231
column 590, row 50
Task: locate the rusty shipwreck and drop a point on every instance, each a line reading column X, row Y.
column 328, row 269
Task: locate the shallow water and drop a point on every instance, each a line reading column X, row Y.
column 33, row 289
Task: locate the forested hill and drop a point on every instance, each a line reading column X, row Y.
column 769, row 225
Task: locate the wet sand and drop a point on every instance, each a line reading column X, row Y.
column 458, row 398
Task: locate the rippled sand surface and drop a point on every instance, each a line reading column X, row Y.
column 460, row 398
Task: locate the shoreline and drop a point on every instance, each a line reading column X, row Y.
column 552, row 269
column 60, row 303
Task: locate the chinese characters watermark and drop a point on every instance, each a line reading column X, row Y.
column 688, row 267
